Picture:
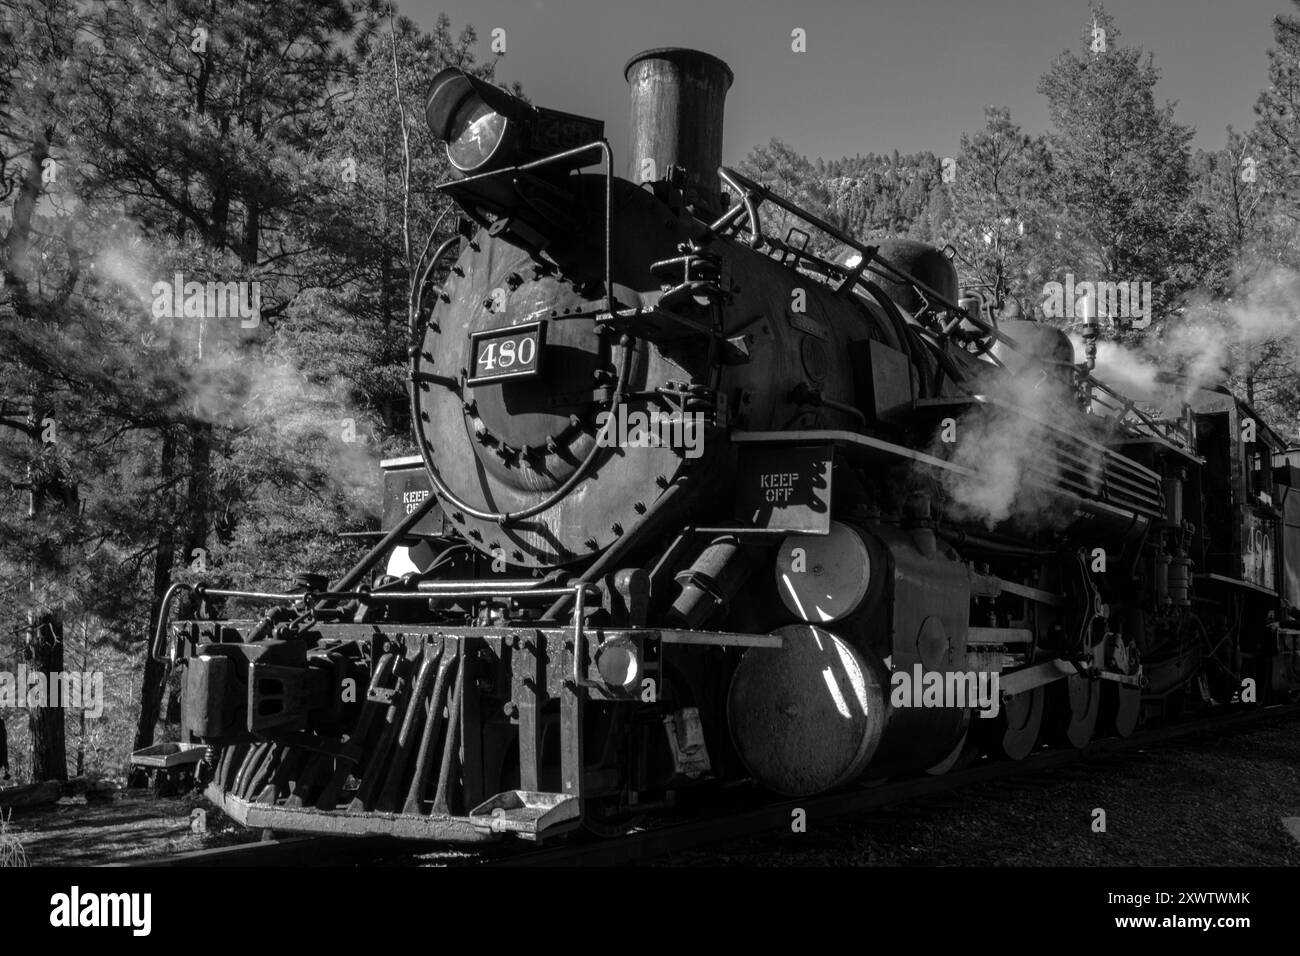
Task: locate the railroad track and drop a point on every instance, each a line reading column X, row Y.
column 645, row 845
column 288, row 851
column 712, row 826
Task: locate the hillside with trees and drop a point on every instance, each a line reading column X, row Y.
column 140, row 447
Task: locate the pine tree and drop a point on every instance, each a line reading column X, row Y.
column 206, row 139
column 1001, row 225
column 1121, row 174
column 41, row 37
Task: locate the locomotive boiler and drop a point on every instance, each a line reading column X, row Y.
column 694, row 504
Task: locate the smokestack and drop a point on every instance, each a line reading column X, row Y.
column 677, row 102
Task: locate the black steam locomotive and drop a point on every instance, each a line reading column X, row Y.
column 695, row 505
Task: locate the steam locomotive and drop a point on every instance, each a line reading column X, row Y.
column 696, row 505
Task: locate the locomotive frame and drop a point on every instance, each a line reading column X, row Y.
column 568, row 634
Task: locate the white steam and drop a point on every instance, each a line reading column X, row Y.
column 218, row 376
column 1003, row 448
column 1256, row 331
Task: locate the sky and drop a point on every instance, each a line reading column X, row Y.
column 877, row 75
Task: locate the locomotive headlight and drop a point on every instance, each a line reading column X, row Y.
column 476, row 120
column 486, row 129
column 476, row 134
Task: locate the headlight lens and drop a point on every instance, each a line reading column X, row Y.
column 475, row 133
column 618, row 663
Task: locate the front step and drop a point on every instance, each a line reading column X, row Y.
column 528, row 814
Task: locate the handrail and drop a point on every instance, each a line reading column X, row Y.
column 747, row 189
column 871, row 259
column 428, row 591
column 160, row 629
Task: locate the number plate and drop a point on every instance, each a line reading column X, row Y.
column 503, row 354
